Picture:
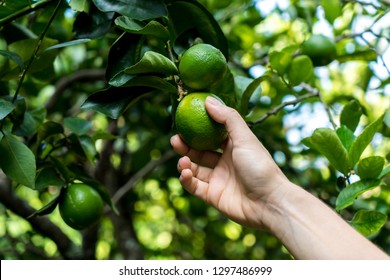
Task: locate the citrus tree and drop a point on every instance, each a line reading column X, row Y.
column 88, row 96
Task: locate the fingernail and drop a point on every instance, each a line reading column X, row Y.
column 213, row 101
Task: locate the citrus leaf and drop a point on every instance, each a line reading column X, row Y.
column 92, row 24
column 113, row 101
column 13, row 57
column 300, row 70
column 385, row 172
column 151, row 81
column 365, row 55
column 368, row 222
column 153, row 62
column 350, row 115
column 89, row 148
column 346, row 136
column 251, row 88
column 332, row 9
column 135, row 9
column 47, row 209
column 326, row 141
column 121, row 56
column 48, row 129
column 17, row 161
column 347, row 196
column 137, row 27
column 189, row 17
column 280, row 61
column 68, row 44
column 47, row 176
column 77, row 125
column 6, row 107
column 370, row 167
column 31, row 122
column 79, row 5
column 363, row 140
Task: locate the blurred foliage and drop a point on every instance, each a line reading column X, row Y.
column 121, row 147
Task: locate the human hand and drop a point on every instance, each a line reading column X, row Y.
column 242, row 182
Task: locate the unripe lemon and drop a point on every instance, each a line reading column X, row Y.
column 320, row 49
column 195, row 126
column 80, row 206
column 201, row 66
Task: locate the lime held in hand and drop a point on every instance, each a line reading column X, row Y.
column 195, row 126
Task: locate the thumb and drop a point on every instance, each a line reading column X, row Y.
column 234, row 123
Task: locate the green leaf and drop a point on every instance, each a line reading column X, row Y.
column 153, row 62
column 93, row 24
column 252, row 87
column 332, row 9
column 280, row 61
column 48, row 129
column 135, row 9
column 300, row 70
column 363, row 140
column 326, row 141
column 114, row 101
column 365, row 55
column 46, row 177
column 89, row 148
column 385, row 172
column 31, row 122
column 350, row 115
column 13, row 57
column 79, row 5
column 370, row 167
column 138, row 27
column 347, row 196
column 121, row 56
column 25, row 48
column 346, row 136
column 68, row 44
column 47, row 209
column 191, row 20
column 77, row 125
column 368, row 222
column 6, row 107
column 153, row 82
column 17, row 161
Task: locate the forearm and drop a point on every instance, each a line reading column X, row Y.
column 311, row 230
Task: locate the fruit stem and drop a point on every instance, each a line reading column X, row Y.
column 180, row 91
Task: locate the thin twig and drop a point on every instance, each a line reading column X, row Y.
column 141, row 174
column 36, row 49
column 309, row 88
column 24, row 11
column 276, row 109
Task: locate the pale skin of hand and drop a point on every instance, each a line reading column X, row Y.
column 247, row 186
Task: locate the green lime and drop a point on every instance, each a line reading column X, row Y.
column 195, row 126
column 201, row 66
column 320, row 49
column 80, row 206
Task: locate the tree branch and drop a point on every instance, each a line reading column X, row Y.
column 41, row 224
column 140, row 174
column 84, row 75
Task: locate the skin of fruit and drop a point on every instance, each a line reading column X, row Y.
column 201, row 66
column 81, row 206
column 195, row 126
column 321, row 49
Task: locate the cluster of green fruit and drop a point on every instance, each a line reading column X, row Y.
column 201, row 67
